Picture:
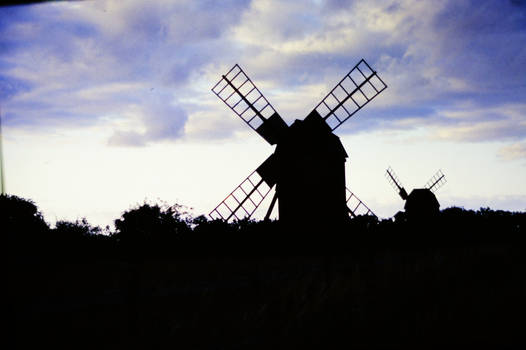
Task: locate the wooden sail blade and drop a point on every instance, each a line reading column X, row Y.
column 359, row 87
column 243, row 201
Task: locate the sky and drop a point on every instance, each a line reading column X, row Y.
column 107, row 104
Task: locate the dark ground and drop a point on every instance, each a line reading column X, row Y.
column 207, row 285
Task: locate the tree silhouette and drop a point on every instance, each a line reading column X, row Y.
column 149, row 228
column 79, row 228
column 21, row 220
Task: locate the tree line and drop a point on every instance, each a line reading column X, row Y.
column 170, row 230
column 163, row 278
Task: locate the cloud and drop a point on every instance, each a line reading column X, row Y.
column 127, row 138
column 82, row 63
column 513, row 152
column 10, row 87
column 159, row 119
column 475, row 124
column 455, row 68
column 425, row 53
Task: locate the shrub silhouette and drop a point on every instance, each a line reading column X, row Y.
column 21, row 220
column 76, row 239
column 79, row 228
column 149, row 227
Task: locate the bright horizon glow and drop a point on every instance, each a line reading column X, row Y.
column 107, row 104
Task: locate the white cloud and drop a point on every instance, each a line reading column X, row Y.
column 513, row 151
column 160, row 118
column 504, row 122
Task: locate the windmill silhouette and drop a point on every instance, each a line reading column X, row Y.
column 421, row 203
column 307, row 166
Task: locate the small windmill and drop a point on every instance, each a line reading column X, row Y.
column 421, row 202
column 307, row 166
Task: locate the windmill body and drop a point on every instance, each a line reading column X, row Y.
column 311, row 175
column 308, row 165
column 421, row 203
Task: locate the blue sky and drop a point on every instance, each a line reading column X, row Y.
column 107, row 103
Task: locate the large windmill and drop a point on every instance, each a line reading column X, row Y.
column 307, row 166
column 421, row 203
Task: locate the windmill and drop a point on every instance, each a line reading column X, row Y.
column 421, row 203
column 307, row 166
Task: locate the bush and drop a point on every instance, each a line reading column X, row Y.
column 152, row 223
column 20, row 218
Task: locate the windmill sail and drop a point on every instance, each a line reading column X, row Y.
column 351, row 94
column 243, row 200
column 438, row 180
column 394, row 181
column 356, row 206
column 239, row 93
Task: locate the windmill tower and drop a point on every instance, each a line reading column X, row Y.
column 421, row 203
column 307, row 167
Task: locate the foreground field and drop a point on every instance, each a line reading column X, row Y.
column 208, row 285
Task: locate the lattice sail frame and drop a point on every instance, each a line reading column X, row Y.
column 437, row 181
column 256, row 110
column 360, row 208
column 243, row 201
column 393, row 179
column 351, row 94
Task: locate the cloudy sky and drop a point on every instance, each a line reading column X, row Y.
column 106, row 104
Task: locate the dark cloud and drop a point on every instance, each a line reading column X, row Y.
column 337, row 4
column 518, row 2
column 482, row 41
column 10, row 87
column 164, row 120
